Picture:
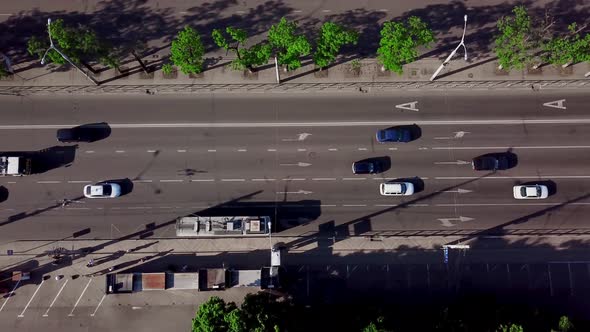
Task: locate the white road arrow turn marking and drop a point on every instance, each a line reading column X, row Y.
column 408, row 106
column 304, row 192
column 300, row 137
column 459, row 191
column 447, row 221
column 458, row 162
column 300, row 164
column 556, row 104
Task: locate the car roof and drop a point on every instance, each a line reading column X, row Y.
column 392, row 187
column 96, row 190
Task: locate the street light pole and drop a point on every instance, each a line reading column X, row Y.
column 269, row 224
column 448, row 59
column 52, row 47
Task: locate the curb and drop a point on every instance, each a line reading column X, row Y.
column 362, row 87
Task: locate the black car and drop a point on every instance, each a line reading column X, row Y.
column 492, row 162
column 371, row 166
column 84, row 133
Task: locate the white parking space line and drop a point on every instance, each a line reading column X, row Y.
column 10, row 295
column 55, row 298
column 98, row 306
column 174, row 180
column 79, row 298
column 323, row 179
column 202, row 180
column 22, row 314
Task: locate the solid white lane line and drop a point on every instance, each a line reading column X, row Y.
column 233, row 180
column 55, row 298
column 202, row 180
column 315, row 124
column 513, row 147
column 171, row 180
column 79, row 181
column 10, row 295
column 353, row 179
column 263, row 180
column 516, row 177
column 98, row 306
column 143, row 181
column 211, row 150
column 323, row 179
column 181, row 151
column 48, row 181
column 79, row 298
column 22, row 314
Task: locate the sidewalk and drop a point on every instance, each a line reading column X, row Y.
column 366, row 76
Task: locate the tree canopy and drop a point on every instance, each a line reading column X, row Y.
column 331, row 39
column 288, row 45
column 187, row 51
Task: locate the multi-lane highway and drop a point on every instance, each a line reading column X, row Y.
column 291, row 156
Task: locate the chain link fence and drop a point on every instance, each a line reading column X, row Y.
column 362, row 87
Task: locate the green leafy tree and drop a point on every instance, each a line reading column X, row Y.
column 80, row 44
column 247, row 58
column 332, row 37
column 262, row 313
column 399, row 42
column 376, row 326
column 571, row 49
column 510, row 328
column 211, row 316
column 517, row 41
column 564, row 325
column 187, row 51
column 288, row 46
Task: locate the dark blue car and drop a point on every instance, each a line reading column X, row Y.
column 394, row 135
column 367, row 167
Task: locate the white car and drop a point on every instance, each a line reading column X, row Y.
column 396, row 189
column 535, row 191
column 102, row 190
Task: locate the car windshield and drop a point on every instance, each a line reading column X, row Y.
column 88, row 190
column 106, row 190
column 402, row 187
column 523, row 191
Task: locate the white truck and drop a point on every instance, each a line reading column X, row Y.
column 15, row 166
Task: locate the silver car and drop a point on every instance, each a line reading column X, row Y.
column 396, row 189
column 535, row 191
column 102, row 190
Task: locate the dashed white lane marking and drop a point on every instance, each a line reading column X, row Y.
column 271, row 150
column 326, row 10
column 295, row 11
column 511, row 204
column 512, row 177
column 151, row 151
column 202, row 180
column 332, row 149
column 242, row 150
column 353, row 179
column 98, row 306
column 323, row 179
column 301, row 150
column 79, row 298
column 353, row 205
column 10, row 295
column 55, row 298
column 139, row 207
column 174, row 180
column 263, row 180
column 513, row 147
column 240, row 11
column 143, row 181
column 166, row 207
column 418, row 205
column 11, row 182
column 181, row 151
column 120, row 151
column 382, row 10
column 79, row 181
column 385, row 205
column 392, row 149
column 211, row 150
column 48, row 181
column 80, row 208
column 328, row 205
column 22, row 314
column 294, row 179
column 233, row 180
column 89, row 151
column 362, row 149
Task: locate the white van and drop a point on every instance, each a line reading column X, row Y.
column 396, row 189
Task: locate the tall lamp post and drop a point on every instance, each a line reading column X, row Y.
column 448, row 59
column 52, row 47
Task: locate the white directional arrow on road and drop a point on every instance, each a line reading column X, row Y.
column 556, row 104
column 408, row 106
column 304, row 192
column 459, row 191
column 300, row 164
column 458, row 134
column 458, row 162
column 300, row 137
column 447, row 221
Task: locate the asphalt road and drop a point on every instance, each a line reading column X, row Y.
column 290, row 157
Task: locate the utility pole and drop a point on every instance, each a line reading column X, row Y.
column 52, row 47
column 277, row 70
column 448, row 59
